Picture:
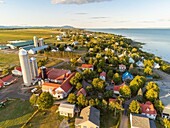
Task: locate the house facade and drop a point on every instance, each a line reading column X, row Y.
column 166, row 113
column 103, row 76
column 87, row 66
column 148, row 110
column 89, row 118
column 66, row 109
column 122, row 67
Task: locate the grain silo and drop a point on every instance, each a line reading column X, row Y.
column 34, row 67
column 25, row 66
column 43, row 72
column 41, row 42
column 35, row 41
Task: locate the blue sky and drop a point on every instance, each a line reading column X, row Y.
column 87, row 13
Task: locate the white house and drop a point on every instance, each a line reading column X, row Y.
column 131, row 60
column 103, row 76
column 75, row 43
column 156, row 66
column 69, row 49
column 140, row 64
column 87, row 66
column 122, row 67
column 36, row 49
column 66, row 109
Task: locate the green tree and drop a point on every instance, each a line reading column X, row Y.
column 5, row 71
column 153, row 85
column 148, row 71
column 98, row 84
column 92, row 102
column 116, row 78
column 159, row 106
column 151, row 95
column 166, row 123
column 78, row 76
column 45, row 100
column 79, row 86
column 134, row 107
column 125, row 91
column 33, row 99
column 81, row 100
column 72, row 98
column 73, row 81
column 110, row 74
column 115, row 106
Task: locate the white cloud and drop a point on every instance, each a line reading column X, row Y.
column 1, row 1
column 76, row 1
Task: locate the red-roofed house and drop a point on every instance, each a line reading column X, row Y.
column 112, row 100
column 122, row 67
column 59, row 91
column 87, row 66
column 8, row 80
column 17, row 71
column 103, row 76
column 82, row 91
column 117, row 88
column 148, row 110
column 56, row 75
column 1, row 83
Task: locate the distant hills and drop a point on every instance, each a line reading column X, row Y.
column 10, row 27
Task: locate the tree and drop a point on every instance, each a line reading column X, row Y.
column 61, row 48
column 81, row 100
column 79, row 86
column 151, row 95
column 45, row 100
column 114, row 106
column 110, row 74
column 148, row 71
column 5, row 71
column 134, row 107
column 78, row 76
column 98, row 84
column 159, row 106
column 125, row 91
column 166, row 123
column 33, row 99
column 116, row 78
column 153, row 85
column 108, row 94
column 72, row 98
column 92, row 102
column 73, row 81
column 104, row 104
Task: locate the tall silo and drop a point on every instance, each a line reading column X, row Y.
column 43, row 72
column 31, row 69
column 35, row 41
column 34, row 67
column 41, row 42
column 25, row 66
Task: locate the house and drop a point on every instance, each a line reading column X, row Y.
column 103, row 76
column 156, row 66
column 116, row 89
column 82, row 91
column 36, row 49
column 2, row 47
column 127, row 76
column 140, row 64
column 75, row 43
column 66, row 109
column 89, row 118
column 148, row 110
column 112, row 100
column 131, row 60
column 60, row 90
column 7, row 80
column 57, row 75
column 166, row 113
column 87, row 66
column 68, row 49
column 18, row 44
column 17, row 71
column 59, row 38
column 139, row 121
column 122, row 67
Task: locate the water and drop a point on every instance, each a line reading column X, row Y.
column 157, row 41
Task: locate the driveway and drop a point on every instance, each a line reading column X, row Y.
column 15, row 90
column 64, row 124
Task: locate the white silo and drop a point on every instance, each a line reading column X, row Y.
column 25, row 66
column 34, row 67
column 31, row 69
column 35, row 41
column 41, row 42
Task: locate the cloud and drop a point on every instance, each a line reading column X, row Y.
column 76, row 1
column 1, row 1
column 96, row 17
column 81, row 13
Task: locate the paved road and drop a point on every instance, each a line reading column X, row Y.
column 15, row 91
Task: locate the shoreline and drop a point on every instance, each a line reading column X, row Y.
column 139, row 44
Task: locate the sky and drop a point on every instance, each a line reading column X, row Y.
column 86, row 13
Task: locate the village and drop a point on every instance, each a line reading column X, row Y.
column 102, row 81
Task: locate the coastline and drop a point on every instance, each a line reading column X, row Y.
column 138, row 43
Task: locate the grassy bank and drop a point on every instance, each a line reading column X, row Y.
column 15, row 113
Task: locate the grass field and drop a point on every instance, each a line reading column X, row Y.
column 109, row 121
column 15, row 114
column 9, row 58
column 27, row 34
column 46, row 119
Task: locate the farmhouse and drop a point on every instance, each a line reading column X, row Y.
column 87, row 66
column 66, row 109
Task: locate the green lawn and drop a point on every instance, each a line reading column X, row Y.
column 15, row 114
column 46, row 119
column 9, row 58
column 108, row 120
